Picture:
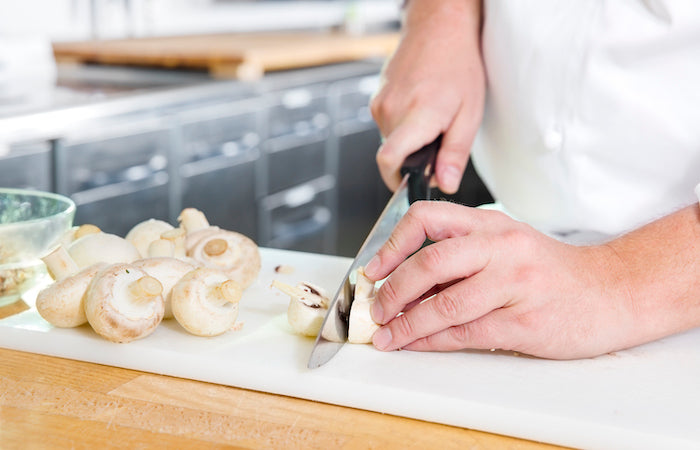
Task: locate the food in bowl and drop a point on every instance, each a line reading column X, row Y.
column 31, row 222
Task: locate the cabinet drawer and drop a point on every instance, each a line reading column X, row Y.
column 228, row 135
column 224, row 189
column 291, row 162
column 300, row 111
column 99, row 161
column 117, row 208
column 352, row 97
column 27, row 166
column 301, row 218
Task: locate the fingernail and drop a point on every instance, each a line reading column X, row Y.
column 382, row 338
column 377, row 312
column 451, row 178
column 372, row 267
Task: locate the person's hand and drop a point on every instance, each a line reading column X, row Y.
column 498, row 283
column 434, row 83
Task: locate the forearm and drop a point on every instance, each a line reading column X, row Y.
column 660, row 269
column 463, row 16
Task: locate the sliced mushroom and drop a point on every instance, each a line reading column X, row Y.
column 102, row 247
column 361, row 327
column 142, row 234
column 62, row 302
column 308, row 305
column 124, row 303
column 205, row 302
column 233, row 253
column 168, row 271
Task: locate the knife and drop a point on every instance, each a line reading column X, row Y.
column 416, row 170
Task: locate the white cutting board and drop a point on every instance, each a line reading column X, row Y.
column 646, row 397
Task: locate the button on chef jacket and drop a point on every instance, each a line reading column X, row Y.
column 592, row 118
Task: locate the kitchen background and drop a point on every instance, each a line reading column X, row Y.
column 286, row 158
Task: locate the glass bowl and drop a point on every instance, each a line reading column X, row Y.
column 31, row 223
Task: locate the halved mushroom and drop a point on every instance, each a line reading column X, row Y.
column 168, row 271
column 205, row 302
column 233, row 253
column 308, row 305
column 143, row 233
column 102, row 247
column 61, row 303
column 124, row 303
column 361, row 327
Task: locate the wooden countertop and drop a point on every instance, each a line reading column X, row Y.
column 49, row 402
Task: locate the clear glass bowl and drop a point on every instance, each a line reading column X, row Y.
column 31, row 223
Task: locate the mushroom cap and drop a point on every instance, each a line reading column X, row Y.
column 197, row 306
column 168, row 271
column 233, row 253
column 112, row 310
column 62, row 302
column 142, row 234
column 194, row 237
column 102, row 247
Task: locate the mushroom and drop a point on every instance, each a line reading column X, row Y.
column 77, row 232
column 233, row 253
column 61, row 303
column 196, row 227
column 205, row 302
column 361, row 327
column 142, row 234
column 124, row 303
column 168, row 271
column 102, row 247
column 176, row 237
column 308, row 305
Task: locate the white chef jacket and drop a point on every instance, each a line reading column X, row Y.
column 592, row 118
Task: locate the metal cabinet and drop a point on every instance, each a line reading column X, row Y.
column 361, row 192
column 300, row 218
column 27, row 166
column 117, row 173
column 218, row 158
column 297, row 183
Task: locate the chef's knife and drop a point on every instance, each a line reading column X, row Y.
column 417, row 170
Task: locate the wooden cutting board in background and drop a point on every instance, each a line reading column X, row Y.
column 241, row 55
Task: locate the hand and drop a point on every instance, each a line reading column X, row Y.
column 499, row 284
column 433, row 84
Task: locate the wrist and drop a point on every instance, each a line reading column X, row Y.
column 466, row 13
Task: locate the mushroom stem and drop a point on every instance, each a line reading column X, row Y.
column 192, row 219
column 60, row 264
column 177, row 237
column 228, row 291
column 215, row 247
column 161, row 248
column 86, row 229
column 288, row 289
column 145, row 289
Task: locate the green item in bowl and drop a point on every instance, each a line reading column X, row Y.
column 31, row 223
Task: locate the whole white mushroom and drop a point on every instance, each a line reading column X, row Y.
column 102, row 247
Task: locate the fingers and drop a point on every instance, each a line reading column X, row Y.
column 490, row 331
column 410, row 135
column 447, row 320
column 454, row 153
column 438, row 263
column 432, row 220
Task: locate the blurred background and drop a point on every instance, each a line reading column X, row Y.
column 255, row 112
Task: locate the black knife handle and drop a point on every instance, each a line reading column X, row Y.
column 420, row 166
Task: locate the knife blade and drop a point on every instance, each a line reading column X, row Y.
column 416, row 170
